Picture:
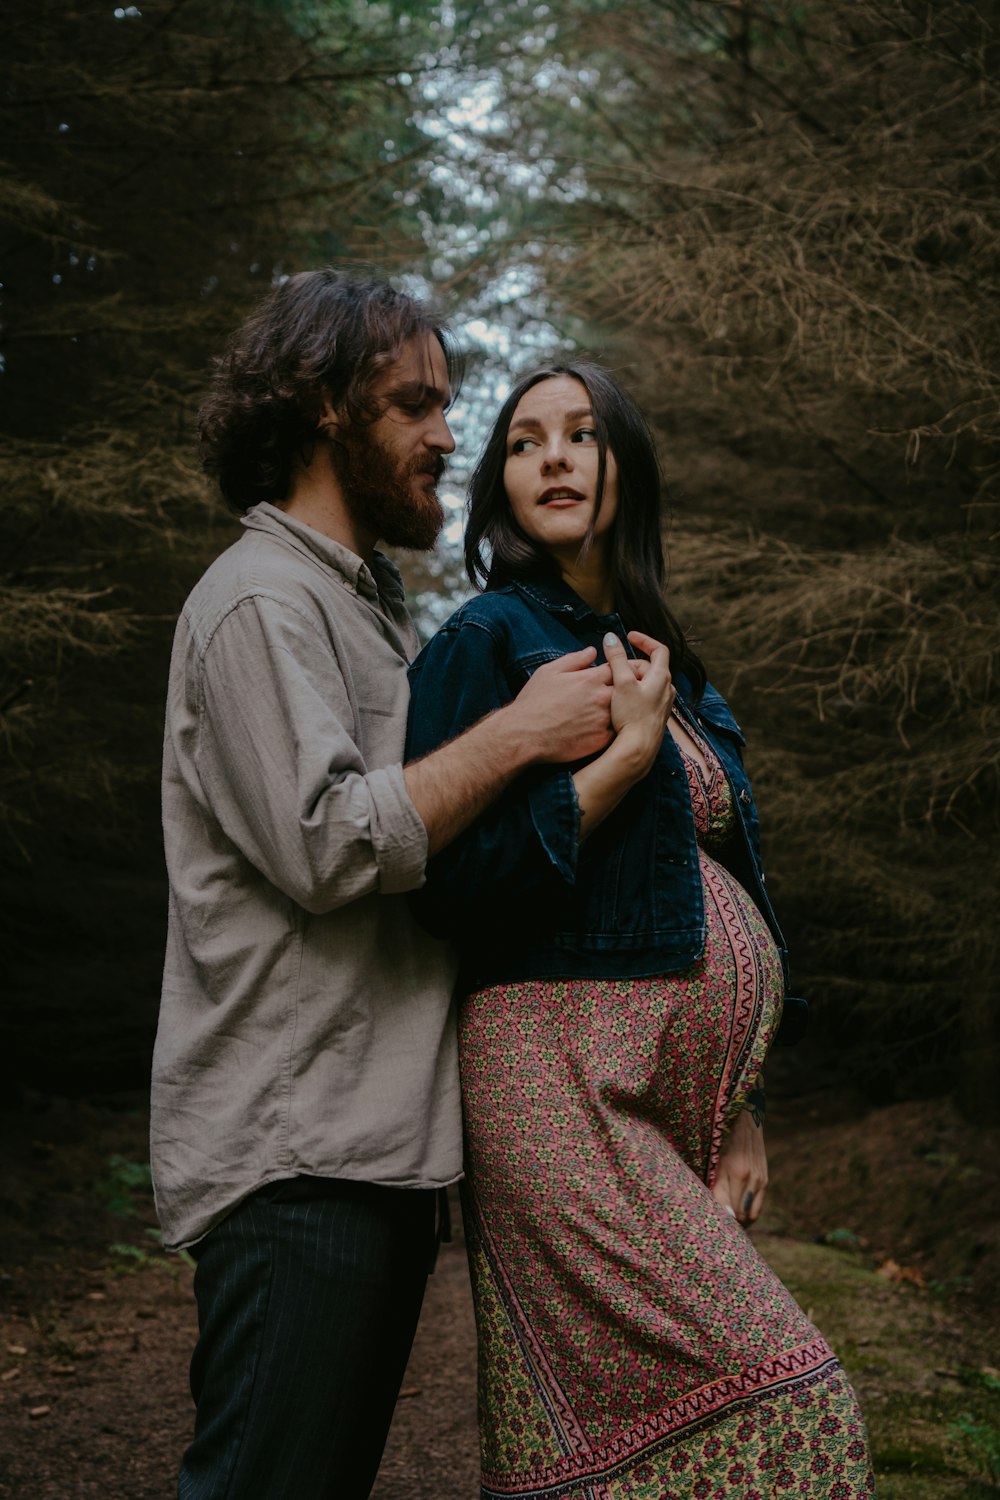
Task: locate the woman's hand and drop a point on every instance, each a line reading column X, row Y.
column 641, row 700
column 642, row 697
column 741, row 1180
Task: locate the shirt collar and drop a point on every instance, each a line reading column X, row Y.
column 381, row 579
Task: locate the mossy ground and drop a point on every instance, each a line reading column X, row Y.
column 923, row 1373
column 96, row 1327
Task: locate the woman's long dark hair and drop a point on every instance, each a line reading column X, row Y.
column 498, row 552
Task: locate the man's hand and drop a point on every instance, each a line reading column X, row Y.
column 563, row 711
column 741, row 1180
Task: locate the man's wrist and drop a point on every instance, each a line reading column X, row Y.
column 511, row 743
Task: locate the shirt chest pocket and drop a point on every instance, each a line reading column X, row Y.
column 379, row 713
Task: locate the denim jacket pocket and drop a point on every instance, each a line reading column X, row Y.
column 638, row 885
column 526, row 664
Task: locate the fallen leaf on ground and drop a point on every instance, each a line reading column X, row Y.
column 891, row 1270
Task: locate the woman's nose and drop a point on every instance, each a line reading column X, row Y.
column 555, row 456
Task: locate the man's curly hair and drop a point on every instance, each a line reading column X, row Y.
column 319, row 335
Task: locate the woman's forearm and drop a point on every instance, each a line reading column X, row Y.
column 602, row 784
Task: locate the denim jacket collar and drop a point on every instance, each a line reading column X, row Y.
column 559, row 600
column 557, row 597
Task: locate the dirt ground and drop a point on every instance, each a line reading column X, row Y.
column 886, row 1224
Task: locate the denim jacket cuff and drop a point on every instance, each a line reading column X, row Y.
column 555, row 813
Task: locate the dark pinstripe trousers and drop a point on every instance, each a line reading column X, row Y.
column 308, row 1296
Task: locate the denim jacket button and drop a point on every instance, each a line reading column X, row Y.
column 744, row 796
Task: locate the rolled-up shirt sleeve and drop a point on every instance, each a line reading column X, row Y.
column 527, row 842
column 280, row 768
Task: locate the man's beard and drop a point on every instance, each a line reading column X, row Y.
column 383, row 496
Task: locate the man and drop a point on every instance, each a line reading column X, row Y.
column 305, row 1113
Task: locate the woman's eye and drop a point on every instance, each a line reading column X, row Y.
column 520, row 445
column 585, row 435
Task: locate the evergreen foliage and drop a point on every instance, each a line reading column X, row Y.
column 780, row 224
column 162, row 164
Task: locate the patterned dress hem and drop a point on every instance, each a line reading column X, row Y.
column 795, row 1370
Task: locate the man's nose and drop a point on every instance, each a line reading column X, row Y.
column 440, row 435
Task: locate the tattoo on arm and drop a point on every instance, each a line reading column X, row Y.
column 756, row 1103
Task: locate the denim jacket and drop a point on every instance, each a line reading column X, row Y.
column 517, row 892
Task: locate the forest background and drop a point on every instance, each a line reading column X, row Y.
column 780, row 224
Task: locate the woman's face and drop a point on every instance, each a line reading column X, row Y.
column 550, row 474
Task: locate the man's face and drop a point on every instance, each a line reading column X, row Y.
column 389, row 469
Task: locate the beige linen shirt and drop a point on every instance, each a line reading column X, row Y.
column 305, row 1022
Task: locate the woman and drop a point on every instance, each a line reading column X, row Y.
column 623, row 977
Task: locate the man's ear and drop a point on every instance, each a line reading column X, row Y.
column 329, row 421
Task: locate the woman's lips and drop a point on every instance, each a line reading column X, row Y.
column 551, row 497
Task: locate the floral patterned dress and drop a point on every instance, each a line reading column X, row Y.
column 632, row 1343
